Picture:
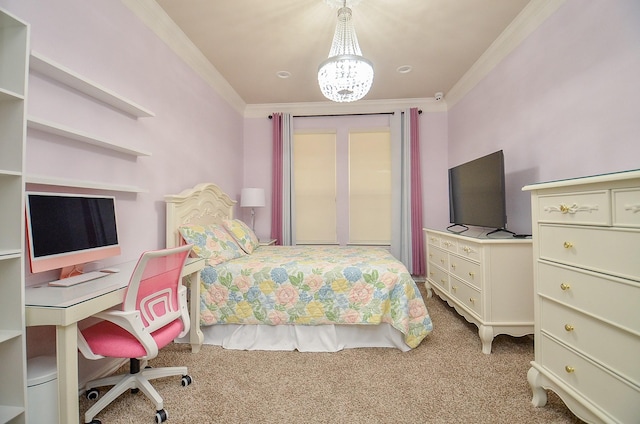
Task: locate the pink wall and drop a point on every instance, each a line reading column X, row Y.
column 194, row 137
column 564, row 104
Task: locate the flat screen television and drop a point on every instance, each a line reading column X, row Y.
column 477, row 193
column 65, row 231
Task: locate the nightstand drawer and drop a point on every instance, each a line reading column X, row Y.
column 607, row 250
column 589, row 208
column 605, row 297
column 466, row 295
column 586, row 334
column 602, row 389
column 466, row 270
column 626, row 207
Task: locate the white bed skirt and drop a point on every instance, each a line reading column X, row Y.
column 321, row 338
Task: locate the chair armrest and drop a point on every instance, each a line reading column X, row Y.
column 184, row 310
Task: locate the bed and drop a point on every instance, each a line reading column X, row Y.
column 306, row 298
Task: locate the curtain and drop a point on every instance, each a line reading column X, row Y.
column 407, row 241
column 282, row 206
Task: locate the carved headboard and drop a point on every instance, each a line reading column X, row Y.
column 205, row 203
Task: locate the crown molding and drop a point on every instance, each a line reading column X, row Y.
column 154, row 17
column 527, row 21
column 428, row 104
column 536, row 12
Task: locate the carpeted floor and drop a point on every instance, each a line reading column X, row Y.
column 447, row 379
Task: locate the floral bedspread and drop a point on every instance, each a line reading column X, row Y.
column 314, row 285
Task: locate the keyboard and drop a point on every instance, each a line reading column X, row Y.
column 77, row 279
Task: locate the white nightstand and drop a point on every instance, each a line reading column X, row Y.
column 267, row 242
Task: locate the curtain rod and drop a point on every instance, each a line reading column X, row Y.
column 344, row 114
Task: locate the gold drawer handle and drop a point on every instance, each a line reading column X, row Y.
column 453, row 266
column 443, row 281
column 471, row 274
column 454, row 288
column 568, row 327
column 431, row 274
column 472, row 300
column 564, row 208
column 442, row 260
column 568, row 245
column 569, row 369
column 430, row 255
column 565, row 286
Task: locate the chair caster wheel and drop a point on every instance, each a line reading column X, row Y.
column 186, row 380
column 161, row 416
column 95, row 421
column 92, row 394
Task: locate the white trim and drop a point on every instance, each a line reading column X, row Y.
column 159, row 22
column 527, row 21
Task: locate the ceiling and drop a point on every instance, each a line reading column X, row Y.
column 250, row 41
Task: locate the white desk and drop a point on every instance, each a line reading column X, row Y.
column 64, row 307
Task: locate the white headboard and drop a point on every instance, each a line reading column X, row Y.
column 205, row 203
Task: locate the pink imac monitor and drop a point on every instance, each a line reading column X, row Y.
column 65, row 231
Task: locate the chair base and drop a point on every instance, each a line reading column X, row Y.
column 136, row 379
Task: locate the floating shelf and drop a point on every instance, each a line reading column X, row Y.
column 61, row 130
column 64, row 182
column 66, row 76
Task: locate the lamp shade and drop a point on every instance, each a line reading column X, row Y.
column 252, row 198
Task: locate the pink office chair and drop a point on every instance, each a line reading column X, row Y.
column 153, row 314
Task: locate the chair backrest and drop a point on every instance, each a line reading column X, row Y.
column 154, row 287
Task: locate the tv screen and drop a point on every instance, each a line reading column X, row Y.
column 477, row 192
column 65, row 230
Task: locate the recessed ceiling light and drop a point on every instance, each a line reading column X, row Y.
column 283, row 74
column 404, row 69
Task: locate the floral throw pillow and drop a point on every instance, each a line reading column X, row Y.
column 211, row 242
column 241, row 232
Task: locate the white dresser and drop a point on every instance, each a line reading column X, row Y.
column 587, row 306
column 487, row 279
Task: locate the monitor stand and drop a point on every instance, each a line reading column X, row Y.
column 464, row 228
column 497, row 230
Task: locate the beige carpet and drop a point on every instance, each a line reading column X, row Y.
column 447, row 379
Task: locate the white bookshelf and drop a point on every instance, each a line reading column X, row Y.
column 92, row 185
column 14, row 47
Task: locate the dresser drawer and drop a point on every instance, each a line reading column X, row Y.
column 607, row 250
column 626, row 207
column 466, row 270
column 599, row 387
column 605, row 297
column 438, row 257
column 586, row 334
column 438, row 276
column 432, row 239
column 469, row 250
column 448, row 243
column 589, row 208
column 466, row 295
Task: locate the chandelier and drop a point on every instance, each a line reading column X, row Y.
column 345, row 76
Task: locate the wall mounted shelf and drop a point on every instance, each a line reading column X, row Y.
column 93, row 185
column 49, row 68
column 66, row 132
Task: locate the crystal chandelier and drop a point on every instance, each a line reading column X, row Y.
column 345, row 76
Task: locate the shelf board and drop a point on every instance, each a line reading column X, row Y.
column 9, row 95
column 93, row 185
column 66, row 76
column 10, row 254
column 70, row 133
column 7, row 413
